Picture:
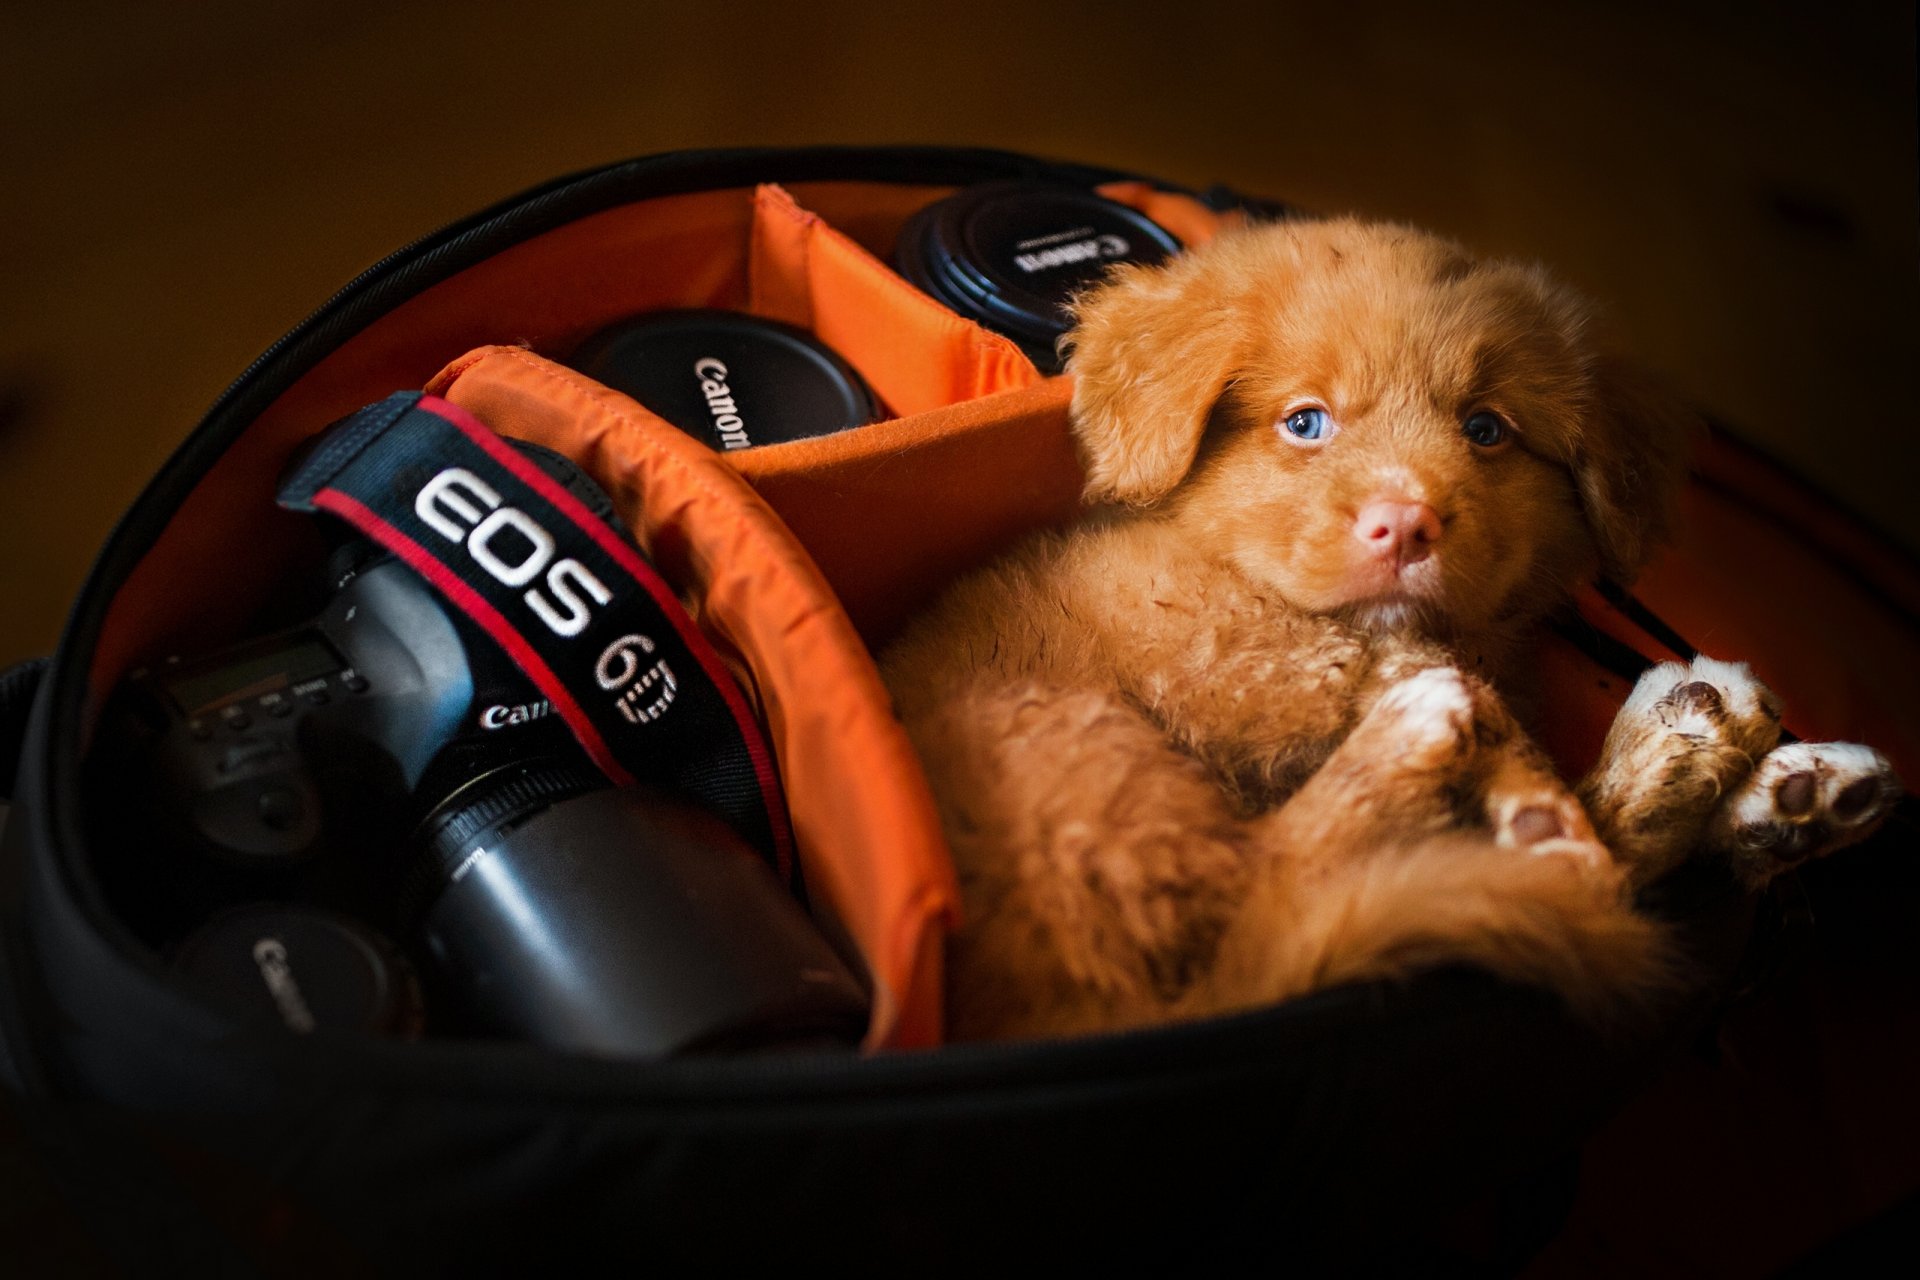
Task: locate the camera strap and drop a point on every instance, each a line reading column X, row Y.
column 563, row 592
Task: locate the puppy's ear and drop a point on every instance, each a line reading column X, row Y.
column 1152, row 351
column 1630, row 464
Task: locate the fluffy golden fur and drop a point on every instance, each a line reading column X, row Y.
column 1241, row 733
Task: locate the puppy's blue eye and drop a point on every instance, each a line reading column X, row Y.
column 1484, row 429
column 1309, row 424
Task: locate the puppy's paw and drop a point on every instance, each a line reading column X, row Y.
column 1426, row 720
column 1805, row 801
column 1688, row 735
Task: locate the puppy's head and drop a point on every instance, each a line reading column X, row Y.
column 1394, row 430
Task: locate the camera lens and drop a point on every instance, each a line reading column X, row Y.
column 623, row 922
column 306, row 969
column 1011, row 255
column 731, row 380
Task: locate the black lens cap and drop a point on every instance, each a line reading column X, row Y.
column 306, row 969
column 729, row 379
column 1011, row 255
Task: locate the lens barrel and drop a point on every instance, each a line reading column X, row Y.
column 1011, row 255
column 624, row 922
column 731, row 380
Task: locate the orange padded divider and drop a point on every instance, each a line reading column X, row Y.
column 868, row 214
column 916, row 354
column 895, row 511
column 868, row 836
column 547, row 293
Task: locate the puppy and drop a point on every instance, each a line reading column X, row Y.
column 1241, row 733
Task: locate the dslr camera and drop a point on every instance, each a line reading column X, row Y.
column 385, row 770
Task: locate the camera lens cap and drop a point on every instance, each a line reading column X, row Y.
column 1011, row 255
column 307, row 970
column 730, row 380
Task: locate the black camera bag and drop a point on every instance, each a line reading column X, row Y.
column 1334, row 1129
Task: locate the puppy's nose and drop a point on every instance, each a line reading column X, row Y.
column 1396, row 530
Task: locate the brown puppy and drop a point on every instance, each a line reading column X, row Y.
column 1236, row 736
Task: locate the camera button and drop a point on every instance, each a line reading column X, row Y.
column 279, row 807
column 277, row 705
column 353, row 680
column 200, row 729
column 316, row 697
column 235, row 718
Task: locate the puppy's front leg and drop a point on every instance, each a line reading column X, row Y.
column 1396, row 775
column 1437, row 750
column 1384, row 863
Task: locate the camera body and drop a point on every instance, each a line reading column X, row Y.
column 291, row 747
column 386, row 763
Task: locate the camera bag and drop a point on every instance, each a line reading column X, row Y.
column 1332, row 1128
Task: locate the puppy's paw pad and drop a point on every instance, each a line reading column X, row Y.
column 1719, row 700
column 1806, row 800
column 1704, row 701
column 1697, row 698
column 1535, row 823
column 1740, row 691
column 1546, row 824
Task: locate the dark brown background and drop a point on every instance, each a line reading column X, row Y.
column 1737, row 183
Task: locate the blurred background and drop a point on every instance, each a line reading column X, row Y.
column 1736, row 183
